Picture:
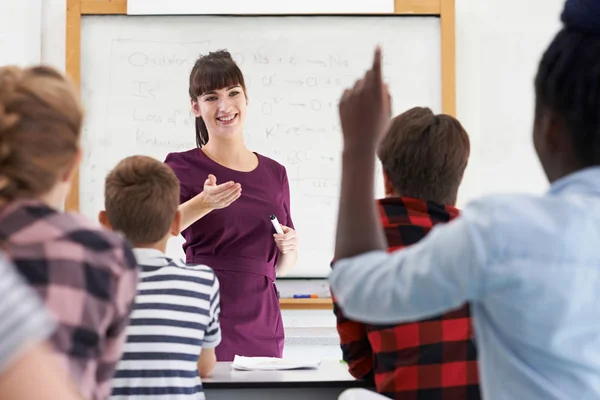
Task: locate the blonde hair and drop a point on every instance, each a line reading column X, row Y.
column 40, row 126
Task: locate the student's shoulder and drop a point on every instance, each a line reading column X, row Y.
column 509, row 219
column 103, row 247
column 504, row 206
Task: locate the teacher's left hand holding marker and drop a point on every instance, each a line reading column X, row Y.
column 285, row 237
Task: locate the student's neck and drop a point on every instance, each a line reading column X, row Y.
column 232, row 154
column 560, row 173
column 160, row 246
column 396, row 194
column 55, row 198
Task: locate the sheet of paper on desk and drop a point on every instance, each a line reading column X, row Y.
column 271, row 364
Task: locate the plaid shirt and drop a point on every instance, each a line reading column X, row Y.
column 87, row 278
column 433, row 359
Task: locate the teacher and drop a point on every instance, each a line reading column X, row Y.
column 227, row 226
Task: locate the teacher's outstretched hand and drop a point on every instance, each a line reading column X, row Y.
column 215, row 196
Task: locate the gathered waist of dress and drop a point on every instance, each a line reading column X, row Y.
column 232, row 263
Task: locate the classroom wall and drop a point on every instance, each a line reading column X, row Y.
column 498, row 47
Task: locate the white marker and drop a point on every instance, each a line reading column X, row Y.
column 276, row 225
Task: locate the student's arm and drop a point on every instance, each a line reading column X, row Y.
column 364, row 116
column 206, row 362
column 213, row 197
column 212, row 336
column 440, row 273
column 36, row 375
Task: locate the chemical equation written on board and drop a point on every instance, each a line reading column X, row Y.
column 300, row 130
column 140, row 59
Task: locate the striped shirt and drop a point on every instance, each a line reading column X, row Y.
column 175, row 315
column 23, row 319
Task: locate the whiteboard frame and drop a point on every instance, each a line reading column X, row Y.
column 444, row 9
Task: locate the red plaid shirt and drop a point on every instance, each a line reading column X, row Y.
column 433, row 359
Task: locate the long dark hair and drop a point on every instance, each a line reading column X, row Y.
column 211, row 72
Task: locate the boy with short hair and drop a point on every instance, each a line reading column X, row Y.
column 174, row 324
column 424, row 157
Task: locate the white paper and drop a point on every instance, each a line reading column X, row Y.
column 271, row 364
column 238, row 7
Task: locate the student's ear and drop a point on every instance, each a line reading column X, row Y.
column 176, row 225
column 387, row 185
column 103, row 219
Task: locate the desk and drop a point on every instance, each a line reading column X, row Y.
column 326, row 382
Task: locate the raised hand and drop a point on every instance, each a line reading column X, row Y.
column 365, row 110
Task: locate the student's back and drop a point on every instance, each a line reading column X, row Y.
column 174, row 317
column 86, row 276
column 549, row 269
column 174, row 324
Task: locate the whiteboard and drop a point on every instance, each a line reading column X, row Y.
column 134, row 77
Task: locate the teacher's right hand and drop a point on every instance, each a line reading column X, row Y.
column 215, row 196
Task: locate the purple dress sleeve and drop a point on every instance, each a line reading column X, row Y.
column 286, row 200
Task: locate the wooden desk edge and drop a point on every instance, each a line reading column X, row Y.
column 306, row 304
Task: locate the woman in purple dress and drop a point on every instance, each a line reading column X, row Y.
column 227, row 226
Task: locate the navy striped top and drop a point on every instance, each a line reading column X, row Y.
column 175, row 315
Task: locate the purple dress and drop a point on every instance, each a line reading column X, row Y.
column 237, row 242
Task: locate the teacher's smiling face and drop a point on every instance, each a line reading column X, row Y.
column 223, row 110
